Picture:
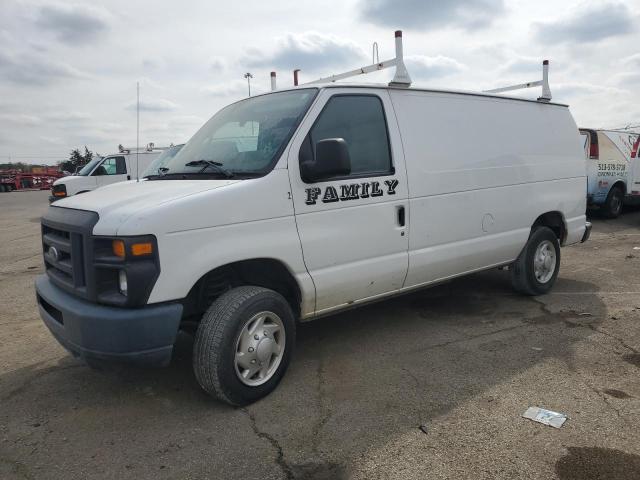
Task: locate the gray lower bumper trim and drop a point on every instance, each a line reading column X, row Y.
column 141, row 335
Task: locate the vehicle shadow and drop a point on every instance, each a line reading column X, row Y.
column 630, row 217
column 357, row 381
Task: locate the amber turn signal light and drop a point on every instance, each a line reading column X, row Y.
column 140, row 249
column 118, row 248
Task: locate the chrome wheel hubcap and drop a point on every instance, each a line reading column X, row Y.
column 544, row 261
column 259, row 348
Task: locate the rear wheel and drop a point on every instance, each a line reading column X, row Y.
column 613, row 204
column 535, row 270
column 243, row 345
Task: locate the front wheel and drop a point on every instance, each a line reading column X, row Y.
column 613, row 204
column 535, row 270
column 243, row 345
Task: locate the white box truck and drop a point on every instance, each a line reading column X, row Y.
column 306, row 201
column 613, row 169
column 117, row 167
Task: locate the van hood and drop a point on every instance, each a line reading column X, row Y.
column 115, row 203
column 71, row 179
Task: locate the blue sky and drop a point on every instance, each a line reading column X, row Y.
column 68, row 70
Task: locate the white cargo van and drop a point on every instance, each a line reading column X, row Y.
column 613, row 169
column 306, row 201
column 101, row 171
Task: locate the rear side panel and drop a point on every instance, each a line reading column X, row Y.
column 481, row 170
column 634, row 183
column 611, row 167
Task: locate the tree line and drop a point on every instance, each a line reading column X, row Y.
column 77, row 159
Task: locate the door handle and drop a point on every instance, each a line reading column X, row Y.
column 401, row 215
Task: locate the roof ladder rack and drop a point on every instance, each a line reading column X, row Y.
column 544, row 83
column 400, row 79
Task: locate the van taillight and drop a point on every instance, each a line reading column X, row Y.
column 593, row 151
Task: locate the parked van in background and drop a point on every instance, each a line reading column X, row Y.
column 613, row 169
column 101, row 171
column 304, row 202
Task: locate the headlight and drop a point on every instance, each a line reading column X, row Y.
column 59, row 191
column 126, row 269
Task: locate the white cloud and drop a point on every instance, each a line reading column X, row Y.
column 233, row 88
column 36, row 69
column 631, row 61
column 20, row 119
column 573, row 89
column 309, row 51
column 217, row 64
column 424, row 67
column 588, row 23
column 431, row 14
column 153, row 105
column 73, row 23
column 67, row 116
column 627, row 79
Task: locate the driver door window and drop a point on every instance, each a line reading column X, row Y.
column 112, row 166
column 111, row 170
column 360, row 121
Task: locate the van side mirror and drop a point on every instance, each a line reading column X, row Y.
column 332, row 160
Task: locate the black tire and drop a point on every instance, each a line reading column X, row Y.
column 2, row 188
column 215, row 343
column 612, row 207
column 523, row 276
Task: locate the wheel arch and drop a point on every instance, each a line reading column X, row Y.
column 261, row 271
column 555, row 221
column 621, row 184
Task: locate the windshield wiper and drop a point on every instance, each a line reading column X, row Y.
column 217, row 166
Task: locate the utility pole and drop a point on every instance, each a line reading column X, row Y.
column 248, row 76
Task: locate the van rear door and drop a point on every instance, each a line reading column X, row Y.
column 634, row 179
column 352, row 226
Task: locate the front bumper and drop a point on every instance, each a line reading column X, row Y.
column 143, row 336
column 587, row 232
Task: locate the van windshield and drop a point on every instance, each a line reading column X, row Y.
column 159, row 163
column 243, row 139
column 86, row 170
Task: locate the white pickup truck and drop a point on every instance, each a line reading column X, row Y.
column 292, row 205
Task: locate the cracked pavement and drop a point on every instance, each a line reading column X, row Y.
column 464, row 359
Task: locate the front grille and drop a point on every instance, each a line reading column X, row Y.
column 66, row 237
column 63, row 256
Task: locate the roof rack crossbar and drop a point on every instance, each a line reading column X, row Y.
column 148, row 148
column 401, row 77
column 544, row 83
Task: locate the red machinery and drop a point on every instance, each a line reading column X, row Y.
column 41, row 178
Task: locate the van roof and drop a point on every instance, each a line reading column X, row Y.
column 616, row 130
column 384, row 86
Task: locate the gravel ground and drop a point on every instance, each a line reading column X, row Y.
column 464, row 360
